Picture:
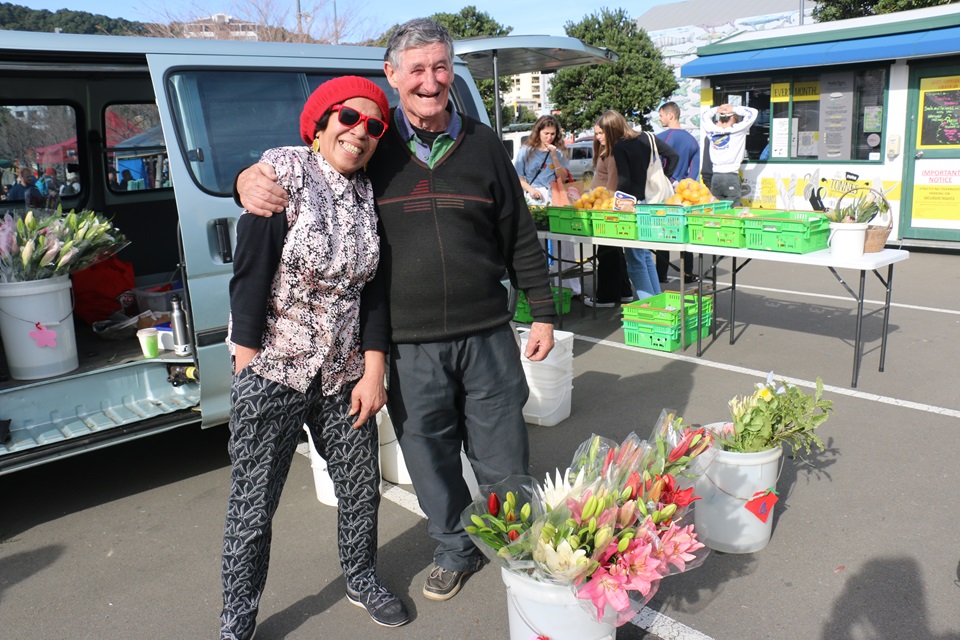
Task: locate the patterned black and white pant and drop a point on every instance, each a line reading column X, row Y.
column 265, row 423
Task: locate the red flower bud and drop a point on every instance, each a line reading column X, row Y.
column 513, row 534
column 633, row 482
column 493, row 505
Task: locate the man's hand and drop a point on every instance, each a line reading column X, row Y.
column 259, row 192
column 369, row 395
column 540, row 341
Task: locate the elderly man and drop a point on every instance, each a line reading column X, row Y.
column 453, row 219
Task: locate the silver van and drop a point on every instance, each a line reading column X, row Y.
column 581, row 160
column 172, row 121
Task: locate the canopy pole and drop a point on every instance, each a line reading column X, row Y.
column 498, row 116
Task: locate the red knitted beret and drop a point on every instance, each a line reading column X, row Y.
column 338, row 91
column 50, row 171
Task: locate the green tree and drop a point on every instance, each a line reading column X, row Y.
column 17, row 18
column 634, row 85
column 830, row 10
column 470, row 22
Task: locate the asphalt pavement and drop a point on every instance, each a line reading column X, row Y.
column 124, row 543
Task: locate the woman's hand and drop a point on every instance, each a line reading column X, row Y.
column 242, row 357
column 369, row 394
column 535, row 194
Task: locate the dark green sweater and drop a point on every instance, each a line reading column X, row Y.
column 449, row 234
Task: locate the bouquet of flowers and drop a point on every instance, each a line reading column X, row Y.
column 51, row 244
column 611, row 526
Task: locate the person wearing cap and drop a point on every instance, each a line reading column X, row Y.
column 726, row 128
column 454, row 221
column 308, row 334
column 72, row 186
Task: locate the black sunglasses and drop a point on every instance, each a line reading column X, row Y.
column 350, row 118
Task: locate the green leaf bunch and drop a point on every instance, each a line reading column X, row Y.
column 776, row 413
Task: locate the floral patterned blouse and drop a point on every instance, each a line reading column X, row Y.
column 305, row 320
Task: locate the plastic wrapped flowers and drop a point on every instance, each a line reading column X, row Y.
column 611, row 527
column 51, row 243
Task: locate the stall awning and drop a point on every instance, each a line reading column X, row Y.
column 887, row 47
column 525, row 54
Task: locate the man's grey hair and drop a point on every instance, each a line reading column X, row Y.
column 418, row 32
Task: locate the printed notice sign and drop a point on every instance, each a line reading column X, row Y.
column 936, row 194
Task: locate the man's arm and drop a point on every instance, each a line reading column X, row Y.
column 257, row 191
column 748, row 115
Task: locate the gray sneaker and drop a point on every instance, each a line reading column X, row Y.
column 442, row 584
column 384, row 608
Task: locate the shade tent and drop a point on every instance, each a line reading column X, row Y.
column 58, row 153
column 489, row 58
column 145, row 143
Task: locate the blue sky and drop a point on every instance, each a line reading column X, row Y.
column 526, row 18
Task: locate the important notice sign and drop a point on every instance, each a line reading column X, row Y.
column 936, row 194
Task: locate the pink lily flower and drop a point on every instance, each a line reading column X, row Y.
column 678, row 545
column 641, row 566
column 604, row 588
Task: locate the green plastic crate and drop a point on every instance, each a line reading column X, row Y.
column 561, row 298
column 665, row 307
column 710, row 207
column 614, row 224
column 787, row 231
column 717, row 230
column 663, row 336
column 571, row 221
column 667, row 227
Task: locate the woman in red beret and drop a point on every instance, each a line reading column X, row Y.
column 308, row 334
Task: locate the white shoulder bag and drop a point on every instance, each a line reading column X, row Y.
column 659, row 187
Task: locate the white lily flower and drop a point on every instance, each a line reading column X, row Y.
column 555, row 491
column 563, row 561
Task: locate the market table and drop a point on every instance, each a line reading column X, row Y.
column 824, row 258
column 868, row 262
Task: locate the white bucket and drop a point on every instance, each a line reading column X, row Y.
column 721, row 517
column 550, row 381
column 24, row 306
column 847, row 239
column 548, row 404
column 537, row 609
column 321, row 477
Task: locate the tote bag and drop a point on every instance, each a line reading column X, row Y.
column 658, row 187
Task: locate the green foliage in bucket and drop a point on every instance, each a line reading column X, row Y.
column 776, row 413
column 51, row 243
column 864, row 209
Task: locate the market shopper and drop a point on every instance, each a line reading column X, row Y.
column 632, row 153
column 726, row 128
column 542, row 160
column 454, row 219
column 688, row 166
column 305, row 352
column 24, row 189
column 613, row 283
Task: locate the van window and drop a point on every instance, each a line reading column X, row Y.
column 43, row 139
column 581, row 153
column 227, row 119
column 135, row 154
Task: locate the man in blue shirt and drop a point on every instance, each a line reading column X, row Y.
column 689, row 167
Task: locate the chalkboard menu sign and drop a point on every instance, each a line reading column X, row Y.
column 940, row 112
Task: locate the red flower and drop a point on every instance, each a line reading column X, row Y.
column 493, row 505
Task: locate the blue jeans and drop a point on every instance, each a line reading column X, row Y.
column 643, row 272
